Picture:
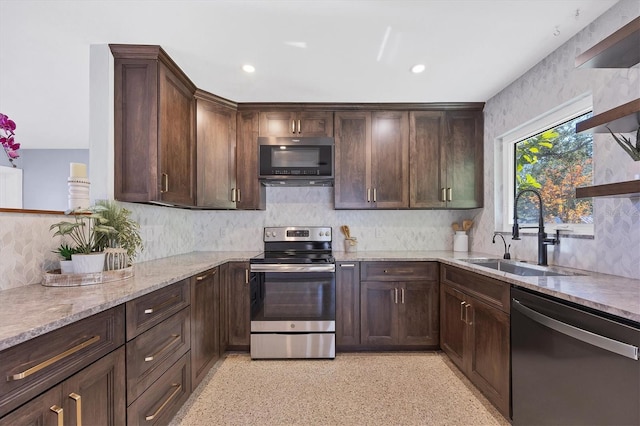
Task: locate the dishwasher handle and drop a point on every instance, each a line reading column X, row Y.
column 602, row 342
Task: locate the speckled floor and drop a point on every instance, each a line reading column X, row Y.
column 354, row 389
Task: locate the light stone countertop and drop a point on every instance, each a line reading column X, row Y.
column 33, row 310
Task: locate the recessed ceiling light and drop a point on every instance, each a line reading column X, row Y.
column 248, row 68
column 418, row 68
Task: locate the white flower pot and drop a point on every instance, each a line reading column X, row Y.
column 88, row 263
column 66, row 266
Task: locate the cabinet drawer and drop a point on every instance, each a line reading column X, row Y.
column 40, row 363
column 399, row 271
column 159, row 403
column 151, row 353
column 488, row 290
column 150, row 309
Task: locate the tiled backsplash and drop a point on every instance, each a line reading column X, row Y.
column 26, row 244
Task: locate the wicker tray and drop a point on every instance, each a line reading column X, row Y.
column 56, row 279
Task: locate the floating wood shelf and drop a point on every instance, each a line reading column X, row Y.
column 622, row 119
column 619, row 189
column 619, row 50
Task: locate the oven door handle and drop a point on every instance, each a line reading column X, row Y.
column 588, row 337
column 259, row 267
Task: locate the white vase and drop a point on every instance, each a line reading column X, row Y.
column 66, row 266
column 88, row 263
column 461, row 241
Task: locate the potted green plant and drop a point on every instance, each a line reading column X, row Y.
column 66, row 264
column 85, row 231
column 123, row 232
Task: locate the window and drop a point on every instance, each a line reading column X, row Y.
column 548, row 156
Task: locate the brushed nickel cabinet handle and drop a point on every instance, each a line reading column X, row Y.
column 233, row 195
column 466, row 315
column 162, row 305
column 443, row 194
column 165, row 183
column 368, row 195
column 462, row 312
column 78, row 399
column 293, row 126
column 299, row 127
column 60, row 414
column 205, row 276
column 174, row 338
column 238, row 197
column 449, row 194
column 396, row 295
column 402, row 296
column 165, row 403
column 348, row 265
column 52, row 360
column 375, row 195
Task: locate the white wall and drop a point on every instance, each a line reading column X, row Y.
column 615, row 247
column 26, row 243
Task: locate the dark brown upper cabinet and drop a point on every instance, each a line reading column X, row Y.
column 371, row 159
column 446, row 159
column 296, row 123
column 154, row 128
column 251, row 195
column 216, row 152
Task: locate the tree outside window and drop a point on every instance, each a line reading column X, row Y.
column 555, row 162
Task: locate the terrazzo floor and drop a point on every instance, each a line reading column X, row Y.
column 354, row 389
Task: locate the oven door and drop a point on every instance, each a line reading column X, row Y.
column 288, row 299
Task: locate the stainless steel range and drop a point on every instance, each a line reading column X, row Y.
column 293, row 295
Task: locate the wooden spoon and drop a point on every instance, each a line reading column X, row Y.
column 455, row 226
column 466, row 225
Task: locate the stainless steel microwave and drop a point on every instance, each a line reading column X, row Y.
column 296, row 161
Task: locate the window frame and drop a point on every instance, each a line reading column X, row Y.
column 505, row 175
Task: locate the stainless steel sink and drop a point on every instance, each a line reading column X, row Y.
column 518, row 268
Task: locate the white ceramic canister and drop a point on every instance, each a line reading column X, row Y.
column 461, row 241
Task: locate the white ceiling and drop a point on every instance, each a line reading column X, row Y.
column 472, row 48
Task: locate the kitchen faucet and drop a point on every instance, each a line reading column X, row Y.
column 543, row 240
column 506, row 255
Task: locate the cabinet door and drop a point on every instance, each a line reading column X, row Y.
column 378, row 312
column 315, row 123
column 44, row 410
column 426, row 165
column 97, row 394
column 464, row 140
column 418, row 318
column 347, row 303
column 353, row 160
column 390, row 159
column 489, row 362
column 452, row 325
column 251, row 195
column 176, row 140
column 277, row 123
column 239, row 304
column 205, row 324
column 136, row 130
column 216, row 155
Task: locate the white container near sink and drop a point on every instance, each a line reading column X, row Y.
column 461, row 241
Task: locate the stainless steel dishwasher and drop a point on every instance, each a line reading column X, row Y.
column 570, row 365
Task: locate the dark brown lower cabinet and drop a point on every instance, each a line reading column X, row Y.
column 475, row 335
column 347, row 304
column 205, row 324
column 238, row 306
column 399, row 304
column 96, row 395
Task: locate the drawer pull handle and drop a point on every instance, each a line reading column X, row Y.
column 166, row 303
column 348, row 265
column 165, row 183
column 45, row 364
column 78, row 399
column 205, row 276
column 462, row 312
column 166, row 402
column 60, row 414
column 402, row 295
column 174, row 338
column 395, row 300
